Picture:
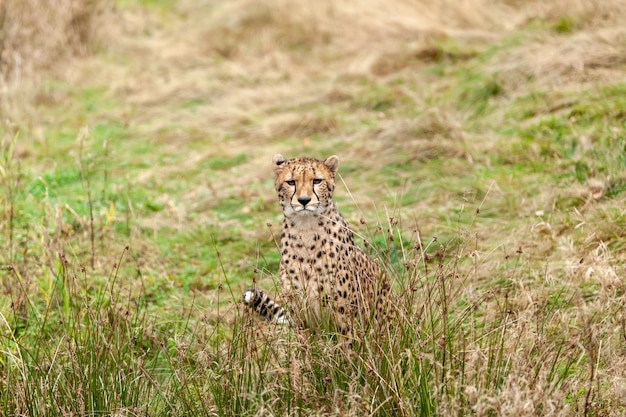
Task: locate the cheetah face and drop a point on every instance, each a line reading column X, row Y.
column 304, row 185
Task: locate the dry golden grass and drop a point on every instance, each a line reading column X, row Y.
column 36, row 35
column 388, row 86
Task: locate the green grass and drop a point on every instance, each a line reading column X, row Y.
column 133, row 214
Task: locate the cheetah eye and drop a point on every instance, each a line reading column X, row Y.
column 291, row 182
column 317, row 181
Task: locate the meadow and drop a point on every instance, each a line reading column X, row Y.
column 483, row 163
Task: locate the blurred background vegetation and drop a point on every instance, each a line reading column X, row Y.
column 137, row 201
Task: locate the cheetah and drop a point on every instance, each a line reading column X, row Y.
column 323, row 273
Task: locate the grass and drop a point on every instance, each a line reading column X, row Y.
column 482, row 163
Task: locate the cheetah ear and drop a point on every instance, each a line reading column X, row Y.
column 278, row 160
column 332, row 163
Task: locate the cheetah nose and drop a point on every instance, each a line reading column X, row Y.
column 304, row 200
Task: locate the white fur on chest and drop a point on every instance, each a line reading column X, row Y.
column 303, row 231
column 304, row 223
column 313, row 231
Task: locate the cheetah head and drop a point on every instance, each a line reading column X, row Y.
column 305, row 186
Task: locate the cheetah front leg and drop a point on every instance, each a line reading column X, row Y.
column 263, row 305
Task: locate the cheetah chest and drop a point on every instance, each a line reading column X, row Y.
column 316, row 258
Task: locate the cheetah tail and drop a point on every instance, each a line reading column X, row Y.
column 260, row 302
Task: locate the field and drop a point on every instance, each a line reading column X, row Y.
column 483, row 162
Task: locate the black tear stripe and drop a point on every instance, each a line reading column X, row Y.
column 295, row 190
column 314, row 173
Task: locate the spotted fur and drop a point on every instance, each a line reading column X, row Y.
column 321, row 268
